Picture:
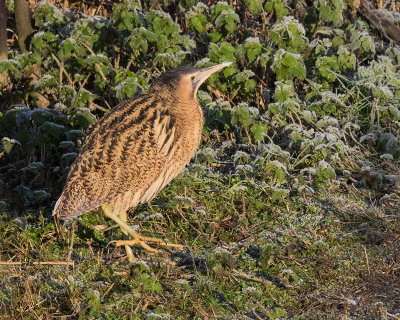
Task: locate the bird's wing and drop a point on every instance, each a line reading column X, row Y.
column 127, row 150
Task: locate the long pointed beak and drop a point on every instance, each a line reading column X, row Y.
column 203, row 74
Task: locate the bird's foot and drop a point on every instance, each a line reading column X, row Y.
column 132, row 242
column 136, row 237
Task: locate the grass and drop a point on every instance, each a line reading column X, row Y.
column 325, row 256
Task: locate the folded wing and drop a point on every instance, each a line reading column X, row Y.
column 128, row 151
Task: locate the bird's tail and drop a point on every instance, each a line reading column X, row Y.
column 56, row 206
column 68, row 207
column 56, row 212
column 62, row 215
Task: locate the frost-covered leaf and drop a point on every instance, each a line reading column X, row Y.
column 279, row 194
column 277, row 6
column 82, row 118
column 289, row 34
column 241, row 116
column 52, row 129
column 324, row 173
column 7, row 144
column 288, row 65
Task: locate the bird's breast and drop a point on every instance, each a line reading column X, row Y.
column 189, row 129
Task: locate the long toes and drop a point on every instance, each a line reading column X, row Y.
column 126, row 242
column 129, row 254
column 147, row 247
column 161, row 242
column 133, row 242
column 165, row 244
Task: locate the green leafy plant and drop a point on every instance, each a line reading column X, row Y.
column 254, row 6
column 329, row 66
column 330, row 11
column 288, row 65
column 324, row 173
column 279, row 7
column 252, row 49
column 289, row 34
column 225, row 20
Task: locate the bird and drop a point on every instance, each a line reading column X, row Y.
column 135, row 150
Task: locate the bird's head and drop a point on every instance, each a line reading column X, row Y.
column 184, row 82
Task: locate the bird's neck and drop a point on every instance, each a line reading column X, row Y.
column 187, row 110
column 189, row 126
column 182, row 109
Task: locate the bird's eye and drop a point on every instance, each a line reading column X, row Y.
column 193, row 77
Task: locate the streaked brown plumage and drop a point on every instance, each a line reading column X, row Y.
column 136, row 149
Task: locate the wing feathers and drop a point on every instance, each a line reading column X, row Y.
column 164, row 131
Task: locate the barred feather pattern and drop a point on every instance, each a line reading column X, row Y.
column 131, row 154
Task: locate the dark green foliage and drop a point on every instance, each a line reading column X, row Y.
column 126, row 20
column 82, row 118
column 279, row 7
column 10, row 68
column 48, row 14
column 44, row 133
column 218, row 115
column 225, row 21
column 241, row 117
column 44, row 43
column 252, row 49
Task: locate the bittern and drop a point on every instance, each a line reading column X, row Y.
column 135, row 150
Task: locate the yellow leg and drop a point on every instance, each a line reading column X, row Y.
column 128, row 249
column 137, row 237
